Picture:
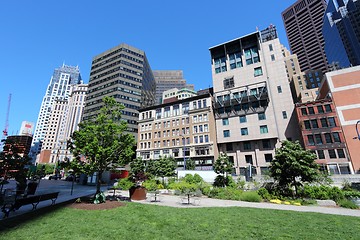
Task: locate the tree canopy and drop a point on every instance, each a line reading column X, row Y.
column 293, row 165
column 223, row 165
column 103, row 140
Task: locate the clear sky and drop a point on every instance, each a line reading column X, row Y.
column 39, row 35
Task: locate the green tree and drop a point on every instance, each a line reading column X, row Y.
column 190, row 164
column 165, row 167
column 138, row 168
column 223, row 165
column 292, row 165
column 103, row 141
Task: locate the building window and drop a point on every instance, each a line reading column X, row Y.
column 248, row 159
column 247, row 145
column 311, row 110
column 258, row 71
column 229, row 83
column 336, row 137
column 341, row 153
column 261, row 116
column 323, row 122
column 320, row 109
column 310, row 140
column 251, row 55
column 332, row 122
column 229, row 147
column 272, row 57
column 314, row 123
column 195, row 139
column 220, row 65
column 321, row 154
column 279, row 89
column 225, row 121
column 318, row 139
column 264, row 129
column 244, row 131
column 304, row 111
column 328, row 138
column 268, row 157
column 235, row 60
column 327, row 108
column 242, row 119
column 266, row 143
column 271, row 47
column 226, row 133
column 284, row 114
column 332, row 153
column 307, row 124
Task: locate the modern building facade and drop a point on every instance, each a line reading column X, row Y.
column 168, row 79
column 175, row 94
column 58, row 89
column 124, row 73
column 184, row 129
column 341, row 31
column 322, row 134
column 343, row 87
column 66, row 116
column 26, row 128
column 303, row 25
column 253, row 106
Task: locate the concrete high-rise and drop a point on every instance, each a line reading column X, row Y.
column 122, row 72
column 303, row 24
column 58, row 89
column 253, row 106
column 168, row 79
column 341, row 31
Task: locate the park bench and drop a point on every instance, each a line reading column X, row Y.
column 33, row 200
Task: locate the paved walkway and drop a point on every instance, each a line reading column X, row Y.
column 175, row 201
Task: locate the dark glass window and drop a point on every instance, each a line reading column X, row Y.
column 327, row 108
column 332, row 153
column 229, row 147
column 323, row 122
column 268, row 157
column 320, row 109
column 321, row 154
column 244, row 131
column 307, row 124
column 248, row 159
column 266, row 143
column 341, row 153
column 261, row 116
column 314, row 123
column 311, row 140
column 226, row 133
column 311, row 110
column 328, row 138
column 304, row 111
column 242, row 119
column 318, row 139
column 332, row 122
column 336, row 137
column 247, row 145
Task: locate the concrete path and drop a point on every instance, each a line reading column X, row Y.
column 176, row 201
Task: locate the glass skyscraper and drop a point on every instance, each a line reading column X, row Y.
column 341, row 31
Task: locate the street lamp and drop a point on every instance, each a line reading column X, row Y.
column 183, row 140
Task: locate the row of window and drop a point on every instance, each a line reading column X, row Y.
column 266, row 144
column 244, row 131
column 176, row 142
column 339, row 153
column 324, row 123
column 318, row 139
column 319, row 109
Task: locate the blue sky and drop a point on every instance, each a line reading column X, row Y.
column 38, row 36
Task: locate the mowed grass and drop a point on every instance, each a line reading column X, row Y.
column 142, row 221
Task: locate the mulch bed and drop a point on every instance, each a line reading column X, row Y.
column 102, row 206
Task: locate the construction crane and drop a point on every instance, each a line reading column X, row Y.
column 5, row 131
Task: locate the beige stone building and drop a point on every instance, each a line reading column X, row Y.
column 183, row 129
column 253, row 107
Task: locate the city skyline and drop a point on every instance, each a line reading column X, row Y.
column 41, row 36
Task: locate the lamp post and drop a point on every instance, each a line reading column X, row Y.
column 183, row 139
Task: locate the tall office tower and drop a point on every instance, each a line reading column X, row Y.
column 341, row 31
column 303, row 23
column 253, row 106
column 124, row 73
column 66, row 116
column 168, row 79
column 58, row 89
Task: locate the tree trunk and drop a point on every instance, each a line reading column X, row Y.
column 98, row 183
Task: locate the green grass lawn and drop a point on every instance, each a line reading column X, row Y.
column 141, row 221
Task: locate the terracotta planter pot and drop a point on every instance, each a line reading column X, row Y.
column 137, row 193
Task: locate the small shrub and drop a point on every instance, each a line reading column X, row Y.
column 221, row 181
column 241, row 184
column 345, row 203
column 351, row 194
column 124, row 184
column 183, row 187
column 250, row 196
column 264, row 193
column 150, row 185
